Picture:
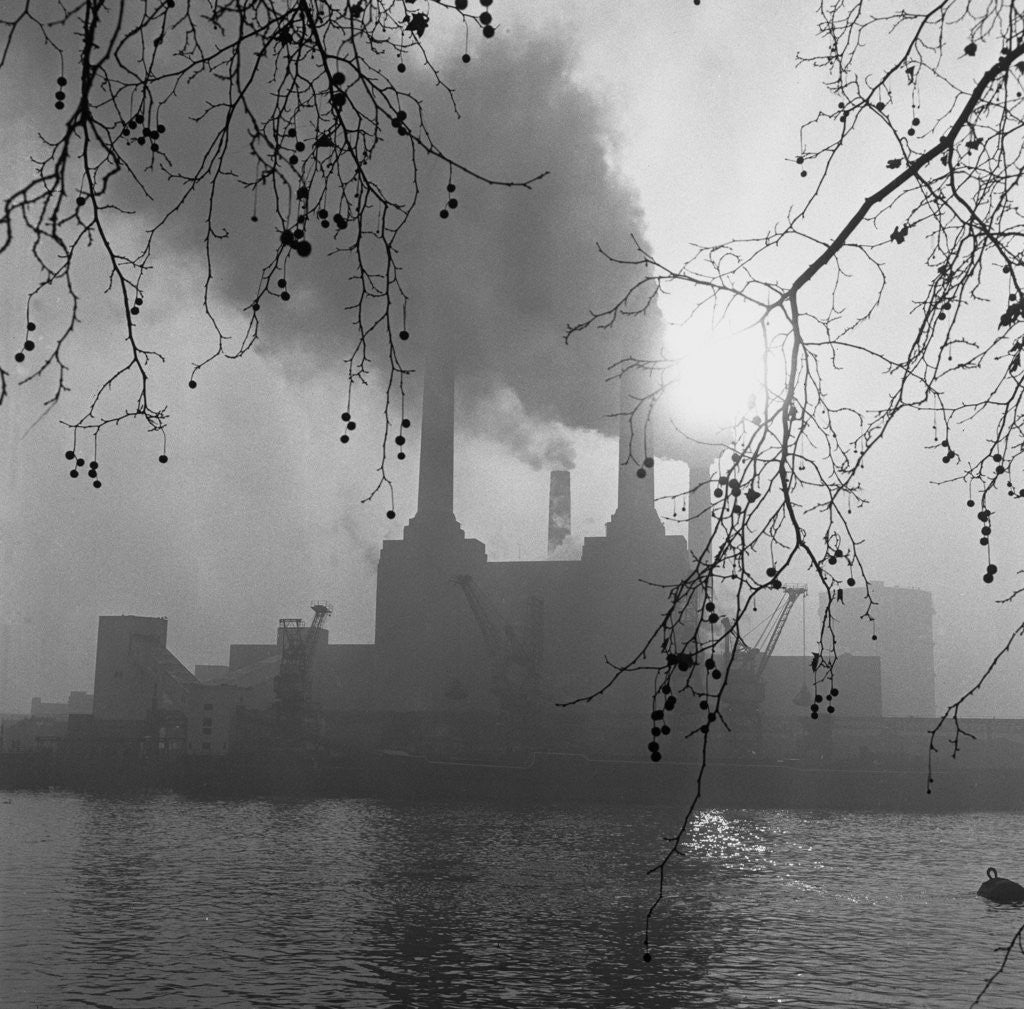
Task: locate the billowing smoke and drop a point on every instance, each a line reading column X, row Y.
column 541, row 444
column 497, row 283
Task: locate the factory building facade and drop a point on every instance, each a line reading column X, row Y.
column 467, row 651
column 469, row 654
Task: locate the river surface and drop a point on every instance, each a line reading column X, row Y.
column 171, row 902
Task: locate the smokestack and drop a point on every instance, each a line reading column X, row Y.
column 559, row 510
column 435, row 511
column 700, row 522
column 635, row 513
column 437, row 444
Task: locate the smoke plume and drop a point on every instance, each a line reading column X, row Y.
column 497, row 283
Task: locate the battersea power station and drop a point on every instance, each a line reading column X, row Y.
column 468, row 652
column 471, row 656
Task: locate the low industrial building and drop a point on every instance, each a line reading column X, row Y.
column 470, row 655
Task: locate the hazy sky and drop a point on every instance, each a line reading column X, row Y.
column 674, row 123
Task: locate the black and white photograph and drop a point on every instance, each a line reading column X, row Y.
column 509, row 504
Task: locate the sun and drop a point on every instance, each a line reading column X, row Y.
column 715, row 378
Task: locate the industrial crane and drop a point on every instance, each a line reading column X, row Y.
column 516, row 652
column 751, row 661
column 764, row 647
column 292, row 685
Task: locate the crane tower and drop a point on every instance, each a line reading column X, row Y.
column 292, row 685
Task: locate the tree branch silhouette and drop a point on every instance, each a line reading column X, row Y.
column 172, row 107
column 927, row 113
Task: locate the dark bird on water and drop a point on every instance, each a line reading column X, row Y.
column 1001, row 890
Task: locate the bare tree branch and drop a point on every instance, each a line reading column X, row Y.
column 170, row 108
column 933, row 96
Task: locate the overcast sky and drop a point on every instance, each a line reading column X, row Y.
column 675, row 125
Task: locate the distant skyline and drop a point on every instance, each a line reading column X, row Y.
column 677, row 128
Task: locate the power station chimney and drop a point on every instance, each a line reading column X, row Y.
column 635, row 513
column 700, row 522
column 435, row 512
column 559, row 510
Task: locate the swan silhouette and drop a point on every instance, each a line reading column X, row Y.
column 1001, row 890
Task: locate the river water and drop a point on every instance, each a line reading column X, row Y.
column 172, row 902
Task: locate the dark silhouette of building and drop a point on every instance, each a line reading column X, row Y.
column 468, row 651
column 900, row 636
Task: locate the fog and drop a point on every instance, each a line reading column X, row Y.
column 261, row 510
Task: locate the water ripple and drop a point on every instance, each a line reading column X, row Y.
column 170, row 902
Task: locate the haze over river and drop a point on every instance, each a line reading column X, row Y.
column 172, row 902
